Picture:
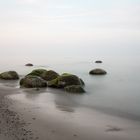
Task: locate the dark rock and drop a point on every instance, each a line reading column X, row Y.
column 37, row 72
column 33, row 82
column 9, row 75
column 29, row 64
column 74, row 89
column 53, row 83
column 97, row 72
column 98, row 61
column 65, row 80
column 68, row 79
column 49, row 75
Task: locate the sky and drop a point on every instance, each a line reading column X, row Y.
column 69, row 27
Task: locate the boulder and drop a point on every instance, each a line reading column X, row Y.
column 65, row 80
column 74, row 89
column 33, row 82
column 97, row 72
column 49, row 75
column 37, row 72
column 98, row 61
column 9, row 75
column 29, row 65
column 53, row 83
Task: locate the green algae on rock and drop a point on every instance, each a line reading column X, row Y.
column 65, row 80
column 33, row 82
column 49, row 75
column 37, row 72
column 74, row 89
column 9, row 75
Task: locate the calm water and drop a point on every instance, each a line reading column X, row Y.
column 117, row 93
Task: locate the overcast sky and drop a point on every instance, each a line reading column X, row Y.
column 69, row 27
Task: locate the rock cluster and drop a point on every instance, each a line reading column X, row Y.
column 42, row 78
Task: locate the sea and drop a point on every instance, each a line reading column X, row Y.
column 117, row 93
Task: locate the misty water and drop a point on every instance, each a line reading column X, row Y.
column 117, row 93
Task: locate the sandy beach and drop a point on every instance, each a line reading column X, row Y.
column 12, row 124
column 24, row 120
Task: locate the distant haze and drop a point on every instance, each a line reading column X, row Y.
column 69, row 27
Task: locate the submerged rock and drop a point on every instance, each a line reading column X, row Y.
column 97, row 72
column 33, row 82
column 49, row 75
column 9, row 75
column 37, row 72
column 29, row 64
column 98, row 61
column 74, row 89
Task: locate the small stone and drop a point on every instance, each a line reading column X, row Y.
column 97, row 71
column 98, row 61
column 29, row 65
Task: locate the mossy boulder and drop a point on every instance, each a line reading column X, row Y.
column 97, row 72
column 65, row 80
column 29, row 65
column 33, row 82
column 49, row 75
column 74, row 89
column 53, row 83
column 37, row 72
column 9, row 75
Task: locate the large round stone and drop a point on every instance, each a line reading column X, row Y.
column 9, row 75
column 37, row 72
column 65, row 80
column 33, row 82
column 49, row 75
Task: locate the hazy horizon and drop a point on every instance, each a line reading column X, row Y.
column 69, row 28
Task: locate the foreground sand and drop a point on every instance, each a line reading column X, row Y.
column 22, row 120
column 12, row 124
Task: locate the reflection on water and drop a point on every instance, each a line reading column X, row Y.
column 65, row 108
column 64, row 102
column 33, row 92
column 9, row 83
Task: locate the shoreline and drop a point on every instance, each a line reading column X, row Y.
column 33, row 121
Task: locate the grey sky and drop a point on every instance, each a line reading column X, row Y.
column 69, row 27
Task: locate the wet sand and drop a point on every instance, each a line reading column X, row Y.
column 23, row 120
column 12, row 124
